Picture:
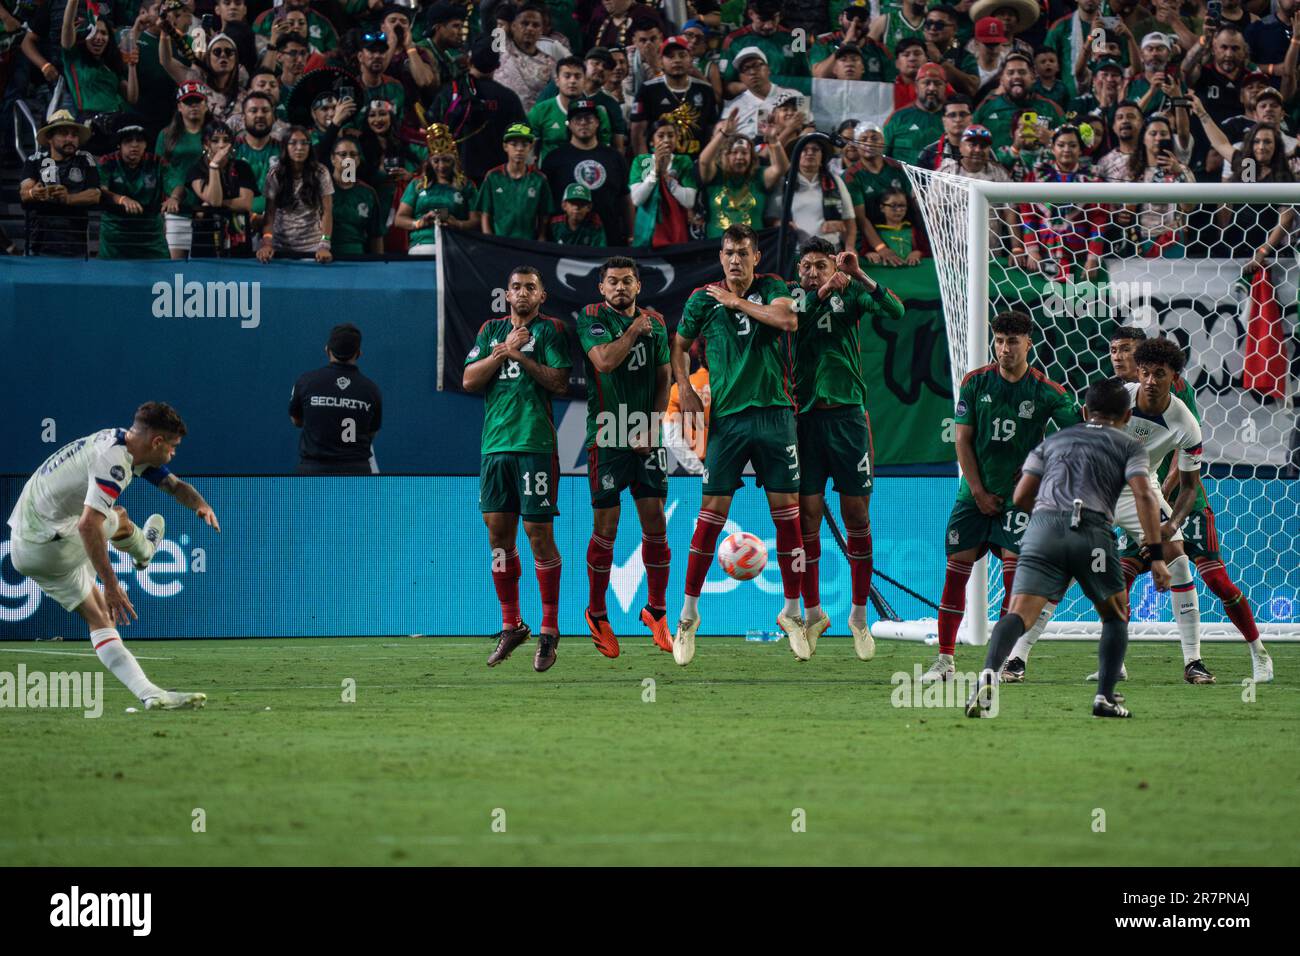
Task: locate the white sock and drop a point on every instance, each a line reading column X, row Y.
column 1257, row 648
column 791, row 607
column 814, row 613
column 690, row 607
column 1027, row 640
column 858, row 613
column 135, row 544
column 114, row 655
column 1187, row 608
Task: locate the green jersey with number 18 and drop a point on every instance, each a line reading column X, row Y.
column 630, row 388
column 517, row 409
column 1009, row 419
column 750, row 363
column 828, row 361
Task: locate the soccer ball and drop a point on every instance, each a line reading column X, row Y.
column 742, row 555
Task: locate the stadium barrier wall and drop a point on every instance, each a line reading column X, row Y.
column 393, row 555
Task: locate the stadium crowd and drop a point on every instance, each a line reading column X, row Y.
column 351, row 127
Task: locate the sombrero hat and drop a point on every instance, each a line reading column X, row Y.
column 60, row 120
column 1027, row 11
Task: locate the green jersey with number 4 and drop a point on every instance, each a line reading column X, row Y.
column 1009, row 419
column 614, row 397
column 749, row 361
column 828, row 363
column 517, row 413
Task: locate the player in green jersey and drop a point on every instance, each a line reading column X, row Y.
column 1200, row 536
column 626, row 349
column 1003, row 411
column 519, row 362
column 746, row 321
column 834, row 296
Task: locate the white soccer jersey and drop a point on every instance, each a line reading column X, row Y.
column 91, row 471
column 1176, row 428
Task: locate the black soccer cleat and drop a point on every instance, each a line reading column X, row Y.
column 507, row 641
column 1197, row 673
column 1013, row 671
column 545, row 656
column 982, row 698
column 1101, row 707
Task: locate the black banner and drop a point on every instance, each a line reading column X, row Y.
column 474, row 268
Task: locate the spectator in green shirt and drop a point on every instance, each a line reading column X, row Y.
column 130, row 185
column 735, row 188
column 178, row 146
column 549, row 118
column 515, row 199
column 911, row 129
column 577, row 225
column 93, row 68
column 443, row 194
column 359, row 218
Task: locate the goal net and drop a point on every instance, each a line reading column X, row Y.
column 1174, row 260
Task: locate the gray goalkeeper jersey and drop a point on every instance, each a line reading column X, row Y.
column 1090, row 462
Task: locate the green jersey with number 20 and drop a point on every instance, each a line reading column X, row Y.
column 630, row 388
column 1009, row 419
column 750, row 363
column 517, row 413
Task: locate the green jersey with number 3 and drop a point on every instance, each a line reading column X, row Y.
column 828, row 363
column 613, row 397
column 750, row 363
column 517, row 413
column 1009, row 419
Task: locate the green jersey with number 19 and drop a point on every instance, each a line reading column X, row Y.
column 1009, row 419
column 517, row 412
column 828, row 361
column 630, row 388
column 750, row 363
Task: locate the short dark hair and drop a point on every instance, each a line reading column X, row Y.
column 644, row 25
column 740, row 232
column 1015, row 55
column 1160, row 352
column 1123, row 332
column 288, row 38
column 961, row 99
column 159, row 417
column 527, row 271
column 257, row 95
column 619, row 262
column 816, row 245
column 1040, row 50
column 945, row 9
column 1108, row 398
column 264, row 70
column 216, row 128
column 1012, row 323
column 573, row 61
column 907, row 44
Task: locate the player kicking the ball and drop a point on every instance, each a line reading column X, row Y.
column 520, row 361
column 626, row 346
column 68, row 514
column 833, row 298
column 1002, row 413
column 1200, row 538
column 746, row 321
column 1071, row 482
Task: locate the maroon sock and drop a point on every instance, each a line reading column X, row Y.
column 600, row 554
column 789, row 541
column 1215, row 576
column 505, row 578
column 1009, row 562
column 952, row 605
column 703, row 543
column 1131, row 569
column 860, row 562
column 548, row 582
column 657, row 557
column 812, row 589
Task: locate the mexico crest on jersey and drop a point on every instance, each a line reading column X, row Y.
column 1026, row 409
column 755, row 298
column 837, row 304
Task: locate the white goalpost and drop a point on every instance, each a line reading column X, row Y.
column 1169, row 258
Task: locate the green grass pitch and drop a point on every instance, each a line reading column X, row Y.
column 587, row 771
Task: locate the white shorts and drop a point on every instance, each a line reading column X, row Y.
column 60, row 568
column 1126, row 514
column 179, row 230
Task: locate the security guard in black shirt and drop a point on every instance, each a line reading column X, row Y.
column 338, row 409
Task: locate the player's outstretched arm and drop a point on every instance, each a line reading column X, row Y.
column 605, row 358
column 554, row 380
column 480, row 373
column 989, row 504
column 1189, row 486
column 779, row 313
column 189, row 496
column 93, row 539
column 680, row 360
column 1026, row 492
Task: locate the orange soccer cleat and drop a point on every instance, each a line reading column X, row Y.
column 602, row 635
column 663, row 637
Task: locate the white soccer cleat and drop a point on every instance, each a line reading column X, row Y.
column 1261, row 666
column 1123, row 674
column 154, row 530
column 815, row 630
column 684, row 641
column 864, row 645
column 794, row 633
column 175, row 700
column 942, row 669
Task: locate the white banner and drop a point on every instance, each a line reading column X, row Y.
column 834, row 101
